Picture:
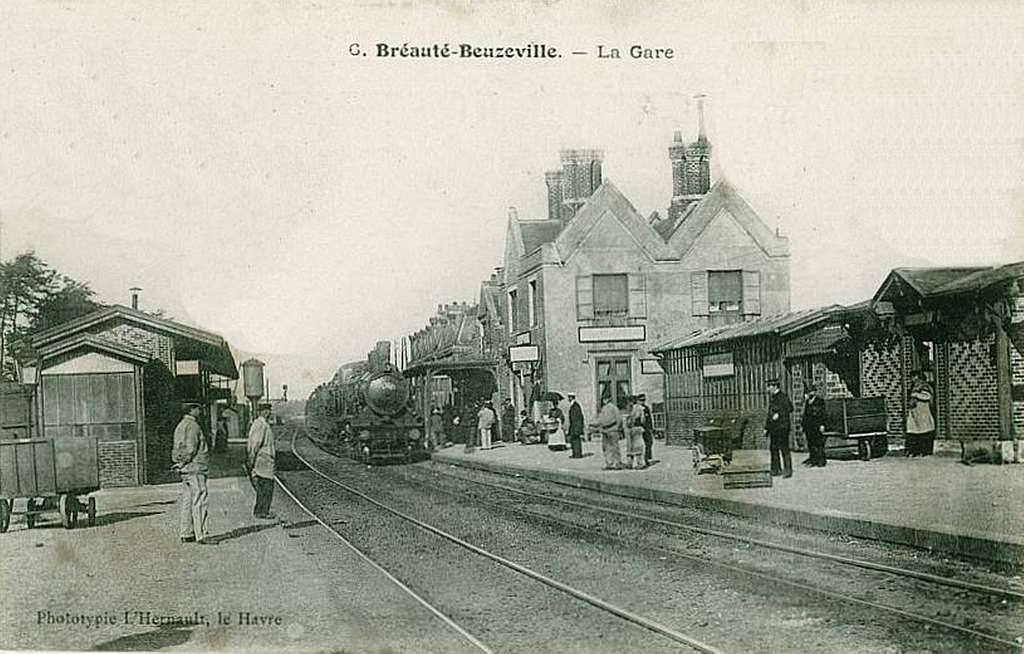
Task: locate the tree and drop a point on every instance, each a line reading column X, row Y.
column 34, row 297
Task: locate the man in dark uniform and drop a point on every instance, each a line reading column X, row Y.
column 648, row 425
column 575, row 427
column 813, row 423
column 776, row 426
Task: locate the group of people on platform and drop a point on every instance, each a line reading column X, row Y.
column 630, row 419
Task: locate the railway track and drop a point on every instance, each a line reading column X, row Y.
column 990, row 641
column 673, row 636
column 949, row 582
column 1013, row 644
column 437, row 612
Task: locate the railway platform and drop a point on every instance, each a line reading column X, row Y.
column 128, row 584
column 932, row 503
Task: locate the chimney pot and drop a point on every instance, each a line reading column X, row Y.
column 135, row 290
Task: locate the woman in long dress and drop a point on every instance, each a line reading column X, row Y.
column 920, row 440
column 556, row 438
column 609, row 423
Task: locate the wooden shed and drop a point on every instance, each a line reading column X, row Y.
column 113, row 374
column 724, row 371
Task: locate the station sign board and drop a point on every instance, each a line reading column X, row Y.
column 612, row 334
column 650, row 367
column 524, row 353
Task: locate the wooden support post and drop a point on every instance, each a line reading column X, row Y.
column 1003, row 383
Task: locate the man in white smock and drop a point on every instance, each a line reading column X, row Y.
column 261, row 461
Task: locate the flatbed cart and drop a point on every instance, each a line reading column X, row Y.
column 862, row 421
column 51, row 474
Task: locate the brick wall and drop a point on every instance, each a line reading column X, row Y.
column 158, row 346
column 882, row 375
column 973, row 395
column 830, row 383
column 118, row 462
column 1017, row 372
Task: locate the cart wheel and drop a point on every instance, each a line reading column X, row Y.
column 91, row 511
column 5, row 515
column 68, row 511
column 30, row 517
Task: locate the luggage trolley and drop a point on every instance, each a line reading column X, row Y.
column 51, row 474
column 712, row 445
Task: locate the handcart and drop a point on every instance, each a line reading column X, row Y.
column 862, row 420
column 51, row 474
column 712, row 445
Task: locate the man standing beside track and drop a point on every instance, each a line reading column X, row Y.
column 261, row 460
column 191, row 457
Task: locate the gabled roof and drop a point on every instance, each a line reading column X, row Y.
column 926, row 282
column 781, row 324
column 666, row 227
column 489, row 300
column 95, row 344
column 538, row 232
column 688, row 227
column 190, row 342
column 608, row 199
column 983, row 279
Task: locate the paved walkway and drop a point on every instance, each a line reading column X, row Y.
column 303, row 590
column 933, row 502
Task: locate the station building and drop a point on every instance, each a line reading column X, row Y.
column 121, row 375
column 962, row 328
column 451, row 369
column 590, row 289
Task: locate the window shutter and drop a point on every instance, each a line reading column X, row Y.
column 584, row 297
column 752, row 292
column 699, row 292
column 637, row 296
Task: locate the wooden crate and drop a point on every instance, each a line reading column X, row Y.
column 749, row 476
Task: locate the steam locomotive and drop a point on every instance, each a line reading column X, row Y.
column 366, row 412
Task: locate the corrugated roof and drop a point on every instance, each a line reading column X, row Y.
column 979, row 281
column 538, row 232
column 778, row 324
column 928, row 281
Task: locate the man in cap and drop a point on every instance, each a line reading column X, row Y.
column 648, row 425
column 261, row 454
column 576, row 427
column 813, row 423
column 776, row 426
column 191, row 456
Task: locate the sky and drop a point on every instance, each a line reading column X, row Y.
column 258, row 180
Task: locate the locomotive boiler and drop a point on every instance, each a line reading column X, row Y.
column 366, row 412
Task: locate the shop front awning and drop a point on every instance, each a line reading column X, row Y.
column 448, row 366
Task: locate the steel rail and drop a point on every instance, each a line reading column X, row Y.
column 626, row 615
column 834, row 558
column 980, row 635
column 376, row 566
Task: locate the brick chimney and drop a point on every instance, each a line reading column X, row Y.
column 691, row 166
column 581, row 175
column 135, row 290
column 553, row 178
